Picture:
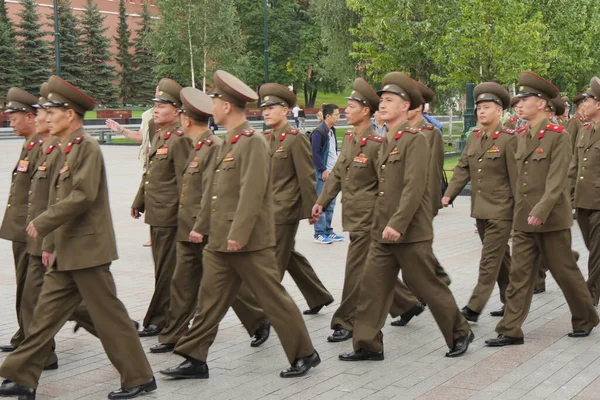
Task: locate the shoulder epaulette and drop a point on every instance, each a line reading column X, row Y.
column 267, row 132
column 508, row 131
column 555, row 128
column 205, row 142
column 246, row 132
column 350, row 132
column 293, row 131
column 77, row 140
column 523, row 129
column 587, row 125
column 428, row 127
column 34, row 143
column 408, row 130
column 176, row 131
column 374, row 137
column 50, row 148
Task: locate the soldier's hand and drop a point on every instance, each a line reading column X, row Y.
column 113, row 125
column 233, row 245
column 445, row 201
column 31, row 231
column 312, row 220
column 46, row 258
column 390, row 233
column 196, row 237
column 135, row 213
column 535, row 221
column 325, row 175
column 317, row 210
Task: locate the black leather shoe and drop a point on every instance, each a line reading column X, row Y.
column 261, row 335
column 13, row 389
column 461, row 345
column 301, row 366
column 339, row 335
column 162, row 348
column 469, row 314
column 583, row 333
column 51, row 367
column 410, row 314
column 503, row 340
column 8, row 348
column 362, row 355
column 150, row 330
column 189, row 369
column 130, row 393
column 539, row 290
column 315, row 310
column 498, row 313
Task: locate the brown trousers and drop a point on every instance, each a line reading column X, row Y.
column 62, row 292
column 184, row 296
column 165, row 258
column 21, row 260
column 288, row 259
column 589, row 223
column 417, row 262
column 223, row 275
column 494, row 265
column 555, row 248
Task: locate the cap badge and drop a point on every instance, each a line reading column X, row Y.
column 386, row 87
column 160, row 93
column 9, row 104
column 521, row 88
column 482, row 96
column 266, row 98
column 50, row 96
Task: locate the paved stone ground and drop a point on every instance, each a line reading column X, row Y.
column 549, row 365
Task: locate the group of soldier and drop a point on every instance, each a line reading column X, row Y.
column 223, row 215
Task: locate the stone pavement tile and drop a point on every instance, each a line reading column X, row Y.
column 590, row 392
column 444, row 393
column 512, row 394
column 358, row 394
column 578, row 383
column 484, row 396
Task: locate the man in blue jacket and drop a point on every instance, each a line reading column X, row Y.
column 325, row 152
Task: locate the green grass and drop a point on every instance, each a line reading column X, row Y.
column 123, row 141
column 449, row 164
column 331, row 98
column 135, row 113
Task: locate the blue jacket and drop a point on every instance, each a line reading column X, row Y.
column 319, row 140
column 433, row 122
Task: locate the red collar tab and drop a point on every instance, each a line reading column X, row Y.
column 523, row 129
column 363, row 142
column 496, row 135
column 477, row 132
column 542, row 133
column 205, row 142
column 247, row 132
column 49, row 149
column 77, row 140
column 293, row 131
column 32, row 144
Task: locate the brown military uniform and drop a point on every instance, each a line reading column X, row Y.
column 576, row 129
column 403, row 203
column 488, row 161
column 157, row 198
column 13, row 224
column 241, row 211
column 543, row 156
column 79, row 219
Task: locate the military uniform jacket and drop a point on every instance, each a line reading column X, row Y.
column 542, row 190
column 78, row 214
column 49, row 162
column 292, row 175
column 403, row 201
column 584, row 174
column 241, row 198
column 576, row 129
column 436, row 162
column 355, row 174
column 158, row 194
column 489, row 163
column 15, row 216
column 197, row 179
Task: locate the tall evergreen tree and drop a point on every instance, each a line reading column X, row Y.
column 99, row 74
column 9, row 70
column 143, row 60
column 71, row 65
column 124, row 57
column 34, row 52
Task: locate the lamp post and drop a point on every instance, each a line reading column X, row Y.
column 56, row 40
column 266, row 23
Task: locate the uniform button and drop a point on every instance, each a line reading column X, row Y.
column 526, row 173
column 218, row 170
column 214, row 197
column 29, row 204
column 525, row 195
column 479, row 170
column 478, row 180
column 213, row 210
column 8, row 205
column 146, row 182
column 182, row 195
column 14, row 174
column 181, row 206
column 526, row 162
column 383, row 166
column 581, row 177
column 479, row 191
column 586, row 150
column 382, row 179
column 30, row 192
column 524, row 184
column 582, row 168
column 57, row 199
column 381, row 193
column 184, row 185
column 151, row 162
column 480, row 160
column 585, row 159
column 148, row 173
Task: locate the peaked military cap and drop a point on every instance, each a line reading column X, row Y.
column 401, row 84
column 514, row 100
column 534, row 85
column 364, row 94
column 196, row 104
column 578, row 99
column 426, row 93
column 43, row 96
column 168, row 92
column 276, row 94
column 18, row 100
column 232, row 89
column 594, row 90
column 557, row 105
column 62, row 94
column 492, row 91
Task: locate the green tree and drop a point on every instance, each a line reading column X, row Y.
column 34, row 52
column 96, row 57
column 190, row 38
column 9, row 69
column 143, row 60
column 124, row 57
column 71, row 65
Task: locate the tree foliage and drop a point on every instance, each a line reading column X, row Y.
column 9, row 71
column 143, row 60
column 124, row 57
column 71, row 65
column 34, row 52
